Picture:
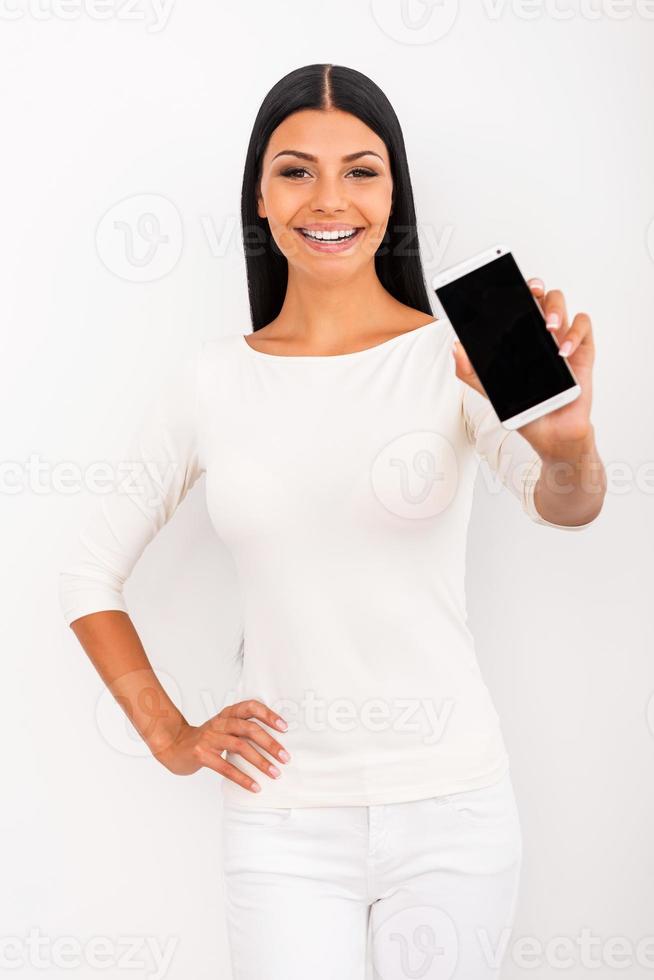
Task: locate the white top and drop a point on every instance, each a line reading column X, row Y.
column 342, row 485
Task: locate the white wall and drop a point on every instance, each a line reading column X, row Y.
column 522, row 125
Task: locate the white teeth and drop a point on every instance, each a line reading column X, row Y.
column 328, row 235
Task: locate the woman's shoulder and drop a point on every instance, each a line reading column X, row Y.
column 409, row 318
column 220, row 346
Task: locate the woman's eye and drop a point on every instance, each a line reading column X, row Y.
column 358, row 172
column 293, row 171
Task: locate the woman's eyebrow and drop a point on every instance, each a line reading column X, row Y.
column 309, row 156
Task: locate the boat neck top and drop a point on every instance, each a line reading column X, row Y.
column 337, row 357
column 342, row 486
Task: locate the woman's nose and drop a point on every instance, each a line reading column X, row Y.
column 328, row 195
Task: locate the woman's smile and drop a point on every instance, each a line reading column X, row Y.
column 329, row 237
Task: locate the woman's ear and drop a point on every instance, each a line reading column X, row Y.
column 261, row 209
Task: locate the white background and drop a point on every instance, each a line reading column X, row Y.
column 528, row 125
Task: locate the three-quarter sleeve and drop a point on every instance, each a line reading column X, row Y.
column 509, row 455
column 161, row 461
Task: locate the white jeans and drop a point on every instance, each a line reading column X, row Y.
column 433, row 882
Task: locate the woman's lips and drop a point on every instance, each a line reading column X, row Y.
column 329, row 246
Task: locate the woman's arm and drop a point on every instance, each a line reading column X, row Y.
column 565, row 484
column 572, row 484
column 161, row 463
column 114, row 648
column 165, row 461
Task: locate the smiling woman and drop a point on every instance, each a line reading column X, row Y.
column 301, row 199
column 340, row 455
column 329, row 220
column 320, row 235
column 327, row 204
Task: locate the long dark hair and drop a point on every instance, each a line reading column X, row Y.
column 397, row 260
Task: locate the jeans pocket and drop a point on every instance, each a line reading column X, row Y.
column 264, row 817
column 487, row 806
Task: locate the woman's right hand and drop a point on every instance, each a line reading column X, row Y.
column 230, row 730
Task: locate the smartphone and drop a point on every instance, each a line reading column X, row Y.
column 502, row 328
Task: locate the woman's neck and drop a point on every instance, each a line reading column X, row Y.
column 339, row 313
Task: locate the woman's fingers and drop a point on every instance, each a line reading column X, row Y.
column 537, row 287
column 239, row 745
column 210, row 760
column 556, row 314
column 579, row 334
column 553, row 305
column 255, row 709
column 233, row 730
column 552, row 317
column 250, row 729
column 212, row 743
column 554, row 310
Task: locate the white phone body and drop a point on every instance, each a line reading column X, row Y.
column 543, row 407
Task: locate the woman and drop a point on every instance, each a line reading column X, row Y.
column 340, row 443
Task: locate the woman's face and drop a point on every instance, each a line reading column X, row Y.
column 326, row 170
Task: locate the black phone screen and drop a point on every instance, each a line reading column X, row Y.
column 497, row 320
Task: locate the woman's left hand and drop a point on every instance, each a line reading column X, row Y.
column 558, row 432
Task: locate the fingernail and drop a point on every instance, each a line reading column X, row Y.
column 284, row 756
column 565, row 349
column 274, row 771
column 281, row 724
column 553, row 320
column 537, row 284
column 255, row 787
